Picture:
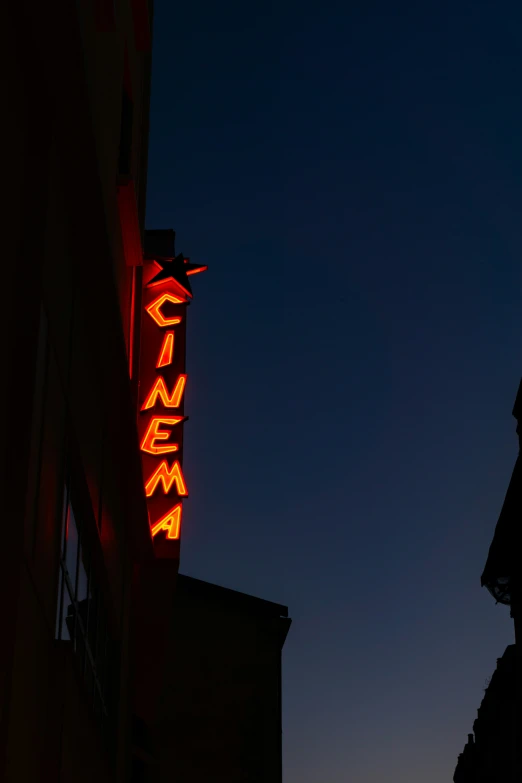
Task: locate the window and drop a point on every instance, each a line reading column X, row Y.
column 81, row 617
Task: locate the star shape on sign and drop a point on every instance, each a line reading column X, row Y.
column 178, row 270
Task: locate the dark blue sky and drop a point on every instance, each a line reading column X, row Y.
column 352, row 175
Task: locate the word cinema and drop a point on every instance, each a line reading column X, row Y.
column 165, row 297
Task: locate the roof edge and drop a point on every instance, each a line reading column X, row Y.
column 198, row 587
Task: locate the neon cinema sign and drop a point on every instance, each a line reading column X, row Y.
column 162, row 381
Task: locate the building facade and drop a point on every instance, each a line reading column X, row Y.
column 93, row 327
column 75, row 521
column 220, row 710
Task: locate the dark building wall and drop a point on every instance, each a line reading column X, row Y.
column 79, row 679
column 221, row 700
column 490, row 755
column 68, row 414
column 502, row 573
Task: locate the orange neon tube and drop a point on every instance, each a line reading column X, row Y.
column 159, row 390
column 154, row 310
column 196, row 271
column 154, row 434
column 171, row 523
column 167, row 350
column 167, row 476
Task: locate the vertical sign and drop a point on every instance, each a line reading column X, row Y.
column 162, row 383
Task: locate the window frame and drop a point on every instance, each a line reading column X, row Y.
column 93, row 664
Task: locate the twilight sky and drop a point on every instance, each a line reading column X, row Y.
column 352, row 175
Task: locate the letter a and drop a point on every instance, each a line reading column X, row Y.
column 171, row 523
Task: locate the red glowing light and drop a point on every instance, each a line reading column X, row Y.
column 153, row 434
column 167, row 350
column 159, row 390
column 197, row 270
column 171, row 522
column 167, row 476
column 154, row 310
column 132, row 319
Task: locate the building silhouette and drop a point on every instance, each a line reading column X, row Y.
column 490, row 753
column 495, row 751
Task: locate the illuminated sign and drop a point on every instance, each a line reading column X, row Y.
column 162, row 382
